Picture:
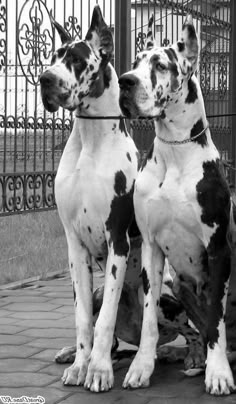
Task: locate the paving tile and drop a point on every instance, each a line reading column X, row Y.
column 19, row 364
column 54, row 369
column 26, row 307
column 121, row 397
column 7, row 320
column 25, row 379
column 60, row 323
column 14, row 351
column 68, row 301
column 21, row 292
column 26, row 299
column 52, row 396
column 65, row 309
column 36, row 315
column 4, row 313
column 3, row 301
column 47, row 355
column 56, row 294
column 49, row 333
column 51, row 343
column 14, row 339
column 11, row 329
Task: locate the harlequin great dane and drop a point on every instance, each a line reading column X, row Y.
column 94, row 191
column 182, row 204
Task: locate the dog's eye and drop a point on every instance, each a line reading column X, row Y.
column 160, row 66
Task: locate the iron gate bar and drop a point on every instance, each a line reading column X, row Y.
column 233, row 79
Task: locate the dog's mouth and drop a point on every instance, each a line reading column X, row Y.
column 128, row 106
column 53, row 101
column 49, row 103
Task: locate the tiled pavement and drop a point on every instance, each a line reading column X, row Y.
column 36, row 321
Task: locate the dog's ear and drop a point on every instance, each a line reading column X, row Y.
column 64, row 35
column 149, row 43
column 99, row 35
column 188, row 45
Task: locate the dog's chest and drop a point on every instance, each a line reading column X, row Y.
column 174, row 221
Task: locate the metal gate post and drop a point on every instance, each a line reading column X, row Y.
column 232, row 83
column 122, row 36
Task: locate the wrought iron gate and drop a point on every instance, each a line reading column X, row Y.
column 31, row 140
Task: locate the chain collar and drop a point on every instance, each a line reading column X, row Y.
column 178, row 142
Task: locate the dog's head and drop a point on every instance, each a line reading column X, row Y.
column 79, row 69
column 158, row 74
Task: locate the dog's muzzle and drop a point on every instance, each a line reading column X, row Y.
column 128, row 86
column 52, row 96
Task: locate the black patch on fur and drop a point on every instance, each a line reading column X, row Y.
column 192, row 92
column 163, row 114
column 61, row 52
column 54, row 58
column 191, row 31
column 147, row 157
column 81, row 346
column 181, row 46
column 171, row 308
column 128, row 156
column 171, row 54
column 120, row 217
column 196, row 129
column 120, row 183
column 89, row 229
column 114, row 270
column 214, row 198
column 154, row 61
column 146, row 283
column 74, row 292
column 100, row 81
column 160, row 185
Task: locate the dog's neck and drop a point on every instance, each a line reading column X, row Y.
column 182, row 113
column 93, row 131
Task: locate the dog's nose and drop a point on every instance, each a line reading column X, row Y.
column 47, row 79
column 127, row 81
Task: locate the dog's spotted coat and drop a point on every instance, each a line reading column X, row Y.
column 94, row 190
column 182, row 204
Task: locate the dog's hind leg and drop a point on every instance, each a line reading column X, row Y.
column 82, row 283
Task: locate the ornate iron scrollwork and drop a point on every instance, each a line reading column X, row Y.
column 222, row 75
column 3, row 29
column 140, row 41
column 23, row 192
column 205, row 72
column 73, row 28
column 35, row 40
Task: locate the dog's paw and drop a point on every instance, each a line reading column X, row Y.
column 195, row 359
column 100, row 375
column 66, row 355
column 139, row 372
column 219, row 379
column 76, row 373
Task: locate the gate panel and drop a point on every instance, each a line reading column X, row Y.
column 32, row 140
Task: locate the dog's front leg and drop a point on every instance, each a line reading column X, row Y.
column 82, row 282
column 219, row 379
column 100, row 373
column 152, row 273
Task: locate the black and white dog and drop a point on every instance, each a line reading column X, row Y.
column 182, row 204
